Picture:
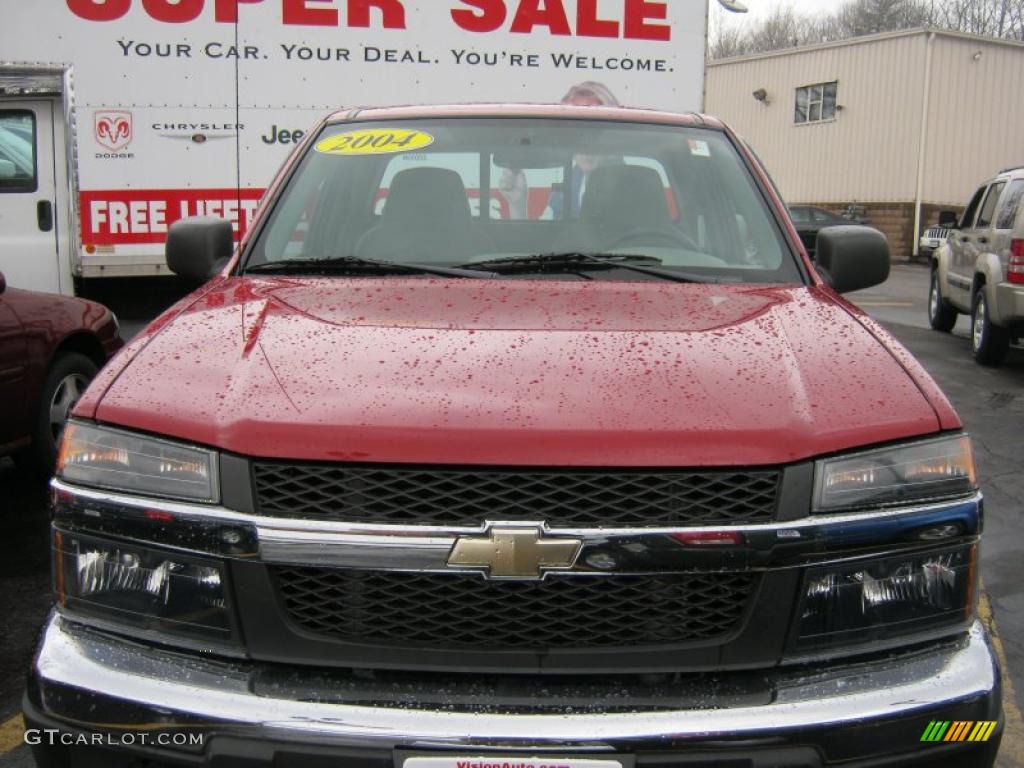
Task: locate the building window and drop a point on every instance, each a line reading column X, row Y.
column 816, row 103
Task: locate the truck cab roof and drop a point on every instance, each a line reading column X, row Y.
column 625, row 114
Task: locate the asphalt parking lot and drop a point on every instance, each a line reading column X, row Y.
column 990, row 401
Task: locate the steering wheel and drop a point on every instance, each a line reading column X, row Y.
column 658, row 234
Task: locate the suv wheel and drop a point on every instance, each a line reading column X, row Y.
column 70, row 373
column 989, row 342
column 941, row 314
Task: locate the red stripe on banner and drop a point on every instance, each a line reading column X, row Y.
column 133, row 216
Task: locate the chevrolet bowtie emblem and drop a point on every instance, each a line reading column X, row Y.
column 515, row 553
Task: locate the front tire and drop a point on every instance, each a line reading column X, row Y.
column 941, row 314
column 989, row 342
column 69, row 375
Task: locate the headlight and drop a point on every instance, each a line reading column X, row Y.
column 887, row 598
column 141, row 588
column 932, row 469
column 109, row 458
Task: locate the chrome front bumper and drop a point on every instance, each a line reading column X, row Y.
column 89, row 682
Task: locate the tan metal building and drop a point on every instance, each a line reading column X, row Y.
column 904, row 123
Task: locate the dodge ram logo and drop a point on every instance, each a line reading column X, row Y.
column 515, row 553
column 113, row 129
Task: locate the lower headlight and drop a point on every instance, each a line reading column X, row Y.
column 887, row 598
column 142, row 588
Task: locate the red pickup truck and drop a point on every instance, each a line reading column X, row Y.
column 605, row 477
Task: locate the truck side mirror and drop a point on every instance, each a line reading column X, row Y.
column 199, row 247
column 949, row 220
column 852, row 257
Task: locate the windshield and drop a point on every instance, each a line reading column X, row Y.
column 461, row 192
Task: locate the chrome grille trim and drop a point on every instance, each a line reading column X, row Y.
column 314, row 542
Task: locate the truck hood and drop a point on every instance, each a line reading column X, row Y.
column 517, row 373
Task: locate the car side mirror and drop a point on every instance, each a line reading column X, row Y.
column 852, row 257
column 3, row 282
column 949, row 220
column 199, row 247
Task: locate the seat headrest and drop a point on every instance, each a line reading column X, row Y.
column 619, row 198
column 431, row 195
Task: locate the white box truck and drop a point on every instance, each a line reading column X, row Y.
column 147, row 111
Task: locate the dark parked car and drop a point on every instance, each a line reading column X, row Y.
column 809, row 220
column 50, row 348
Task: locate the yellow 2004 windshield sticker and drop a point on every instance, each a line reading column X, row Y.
column 375, row 141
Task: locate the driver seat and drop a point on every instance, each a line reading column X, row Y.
column 619, row 199
column 624, row 198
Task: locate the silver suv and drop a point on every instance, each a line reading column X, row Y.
column 980, row 269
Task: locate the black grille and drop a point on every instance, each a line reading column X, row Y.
column 587, row 498
column 561, row 612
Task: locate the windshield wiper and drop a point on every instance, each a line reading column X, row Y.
column 350, row 264
column 578, row 261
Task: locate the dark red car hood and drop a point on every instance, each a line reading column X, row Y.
column 516, row 372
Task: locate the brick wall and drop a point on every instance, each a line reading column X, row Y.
column 896, row 222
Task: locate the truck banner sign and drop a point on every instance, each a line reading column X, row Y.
column 143, row 215
column 181, row 106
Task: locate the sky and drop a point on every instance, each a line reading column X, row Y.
column 761, row 8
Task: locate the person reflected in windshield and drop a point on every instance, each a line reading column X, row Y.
column 513, row 184
column 586, row 94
